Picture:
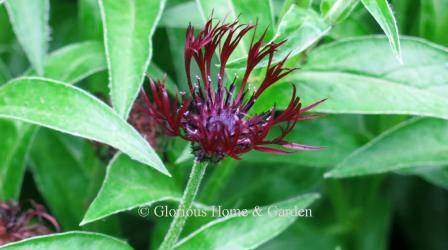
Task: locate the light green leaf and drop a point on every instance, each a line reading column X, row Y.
column 137, row 185
column 14, row 146
column 69, row 109
column 301, row 28
column 249, row 11
column 246, row 232
column 337, row 10
column 419, row 142
column 181, row 14
column 256, row 11
column 128, row 29
column 69, row 240
column 30, row 23
column 78, row 61
column 381, row 11
column 75, row 62
column 345, row 73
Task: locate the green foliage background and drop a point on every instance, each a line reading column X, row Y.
column 381, row 182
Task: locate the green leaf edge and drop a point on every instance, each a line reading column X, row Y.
column 70, row 233
column 396, row 47
column 39, row 70
column 148, row 59
column 337, row 172
column 160, row 167
column 311, row 197
column 87, row 220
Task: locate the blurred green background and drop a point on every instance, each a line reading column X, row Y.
column 393, row 191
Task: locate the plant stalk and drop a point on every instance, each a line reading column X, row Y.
column 190, row 192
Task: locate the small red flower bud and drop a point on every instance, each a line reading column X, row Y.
column 16, row 224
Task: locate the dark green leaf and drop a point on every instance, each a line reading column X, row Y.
column 415, row 143
column 15, row 141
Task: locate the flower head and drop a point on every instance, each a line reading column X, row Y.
column 216, row 118
column 16, row 225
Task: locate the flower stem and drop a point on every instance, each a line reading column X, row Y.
column 191, row 190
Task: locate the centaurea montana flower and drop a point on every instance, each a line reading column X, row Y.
column 216, row 119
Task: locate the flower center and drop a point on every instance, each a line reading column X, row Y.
column 225, row 120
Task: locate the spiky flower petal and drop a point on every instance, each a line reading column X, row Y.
column 216, row 119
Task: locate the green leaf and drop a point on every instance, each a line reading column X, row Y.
column 69, row 240
column 415, row 143
column 127, row 185
column 75, row 62
column 246, row 232
column 180, row 15
column 256, row 11
column 57, row 173
column 246, row 11
column 71, row 110
column 89, row 19
column 336, row 134
column 345, row 73
column 62, row 163
column 128, row 29
column 435, row 175
column 14, row 145
column 381, row 11
column 434, row 21
column 337, row 10
column 30, row 22
column 301, row 28
column 5, row 75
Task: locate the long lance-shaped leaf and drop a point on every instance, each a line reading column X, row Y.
column 30, row 23
column 69, row 240
column 381, row 11
column 128, row 28
column 249, row 231
column 69, row 109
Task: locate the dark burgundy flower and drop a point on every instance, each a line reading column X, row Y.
column 16, row 224
column 216, row 119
